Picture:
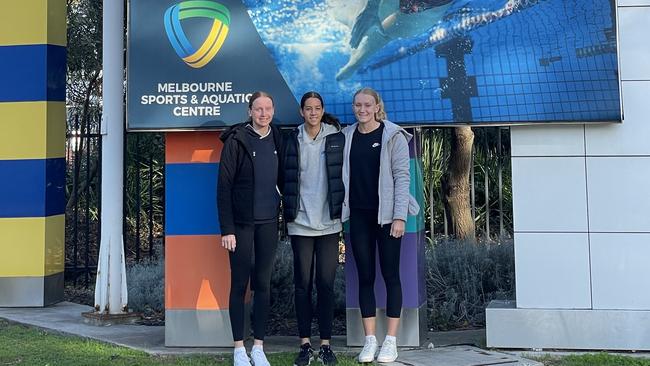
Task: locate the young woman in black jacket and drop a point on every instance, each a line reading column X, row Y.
column 248, row 201
column 313, row 197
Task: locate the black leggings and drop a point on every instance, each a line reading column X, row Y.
column 365, row 237
column 326, row 250
column 263, row 238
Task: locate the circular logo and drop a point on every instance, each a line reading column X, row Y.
column 200, row 57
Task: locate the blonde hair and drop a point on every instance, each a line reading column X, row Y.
column 381, row 113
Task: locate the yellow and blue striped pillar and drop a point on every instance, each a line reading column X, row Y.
column 32, row 144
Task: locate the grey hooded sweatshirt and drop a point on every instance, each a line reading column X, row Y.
column 395, row 201
column 313, row 218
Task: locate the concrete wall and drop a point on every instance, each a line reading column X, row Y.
column 582, row 220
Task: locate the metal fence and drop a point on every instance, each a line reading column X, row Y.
column 143, row 197
column 144, row 191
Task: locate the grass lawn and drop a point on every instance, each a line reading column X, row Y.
column 598, row 359
column 22, row 345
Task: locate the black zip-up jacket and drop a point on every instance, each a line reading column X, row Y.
column 334, row 144
column 235, row 188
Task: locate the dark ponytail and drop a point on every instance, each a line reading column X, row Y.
column 330, row 119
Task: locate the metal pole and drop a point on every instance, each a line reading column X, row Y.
column 500, row 161
column 75, row 193
column 486, row 191
column 138, row 198
column 89, row 146
column 446, row 223
column 432, row 212
column 471, row 182
column 110, row 289
column 150, row 204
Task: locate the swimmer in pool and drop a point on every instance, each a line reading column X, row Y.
column 406, row 18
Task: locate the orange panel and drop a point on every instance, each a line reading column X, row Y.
column 193, row 147
column 197, row 273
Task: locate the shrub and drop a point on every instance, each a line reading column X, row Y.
column 146, row 285
column 282, row 303
column 463, row 277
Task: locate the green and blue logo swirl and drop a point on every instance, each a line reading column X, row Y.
column 200, row 57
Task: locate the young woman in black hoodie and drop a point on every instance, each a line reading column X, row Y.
column 248, row 201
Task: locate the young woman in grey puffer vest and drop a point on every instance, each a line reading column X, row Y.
column 376, row 175
column 313, row 195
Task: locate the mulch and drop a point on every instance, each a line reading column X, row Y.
column 277, row 325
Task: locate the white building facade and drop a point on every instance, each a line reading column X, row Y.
column 582, row 221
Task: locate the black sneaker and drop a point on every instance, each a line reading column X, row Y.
column 326, row 356
column 305, row 356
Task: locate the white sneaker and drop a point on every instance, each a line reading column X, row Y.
column 240, row 359
column 388, row 351
column 369, row 349
column 258, row 357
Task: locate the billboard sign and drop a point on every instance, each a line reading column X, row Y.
column 192, row 64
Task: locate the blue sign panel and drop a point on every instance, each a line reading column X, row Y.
column 193, row 64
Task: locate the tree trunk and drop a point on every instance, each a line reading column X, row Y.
column 456, row 184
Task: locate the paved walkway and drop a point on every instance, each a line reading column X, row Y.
column 440, row 349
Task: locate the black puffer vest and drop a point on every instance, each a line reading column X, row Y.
column 334, row 144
